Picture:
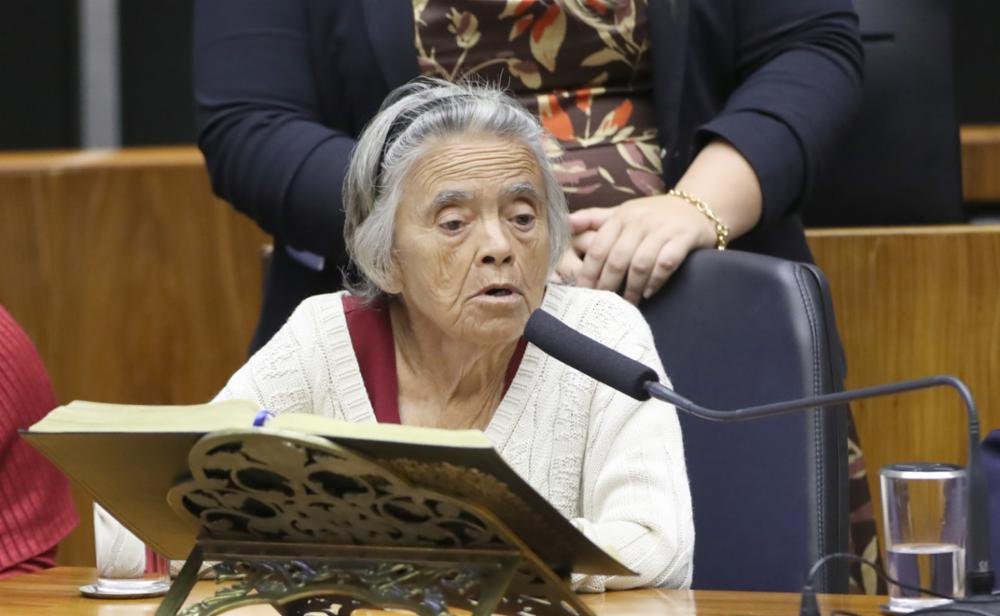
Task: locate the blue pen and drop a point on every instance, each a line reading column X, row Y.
column 263, row 416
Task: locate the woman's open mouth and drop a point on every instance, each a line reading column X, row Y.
column 498, row 294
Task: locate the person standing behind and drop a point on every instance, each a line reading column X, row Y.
column 736, row 104
column 36, row 507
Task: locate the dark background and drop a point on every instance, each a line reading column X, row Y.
column 157, row 104
column 38, row 48
column 977, row 48
column 40, row 75
column 38, row 70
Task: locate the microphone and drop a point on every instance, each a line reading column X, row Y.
column 641, row 382
column 589, row 356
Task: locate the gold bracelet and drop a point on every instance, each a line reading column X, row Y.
column 721, row 230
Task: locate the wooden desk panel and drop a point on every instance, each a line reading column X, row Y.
column 914, row 302
column 981, row 162
column 55, row 592
column 135, row 283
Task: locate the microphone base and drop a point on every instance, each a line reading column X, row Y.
column 979, row 604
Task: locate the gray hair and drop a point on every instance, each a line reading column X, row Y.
column 413, row 115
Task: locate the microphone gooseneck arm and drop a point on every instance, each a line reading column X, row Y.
column 641, row 382
column 979, row 575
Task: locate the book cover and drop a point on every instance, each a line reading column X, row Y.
column 129, row 458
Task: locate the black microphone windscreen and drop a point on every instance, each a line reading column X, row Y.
column 588, row 356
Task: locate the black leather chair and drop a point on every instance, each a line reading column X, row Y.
column 770, row 496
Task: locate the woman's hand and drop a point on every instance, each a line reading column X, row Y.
column 639, row 243
column 643, row 241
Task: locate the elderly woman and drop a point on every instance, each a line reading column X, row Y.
column 455, row 223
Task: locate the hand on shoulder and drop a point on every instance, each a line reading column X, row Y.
column 638, row 244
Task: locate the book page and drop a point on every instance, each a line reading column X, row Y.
column 81, row 416
column 394, row 433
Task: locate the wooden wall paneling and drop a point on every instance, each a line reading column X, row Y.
column 135, row 283
column 981, row 162
column 914, row 302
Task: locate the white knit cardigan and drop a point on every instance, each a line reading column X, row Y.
column 612, row 465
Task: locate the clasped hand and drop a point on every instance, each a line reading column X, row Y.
column 639, row 243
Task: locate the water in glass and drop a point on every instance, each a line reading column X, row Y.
column 935, row 566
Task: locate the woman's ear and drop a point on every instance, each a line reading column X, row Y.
column 393, row 284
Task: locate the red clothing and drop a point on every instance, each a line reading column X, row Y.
column 34, row 564
column 36, row 508
column 370, row 329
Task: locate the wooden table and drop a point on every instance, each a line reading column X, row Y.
column 55, row 592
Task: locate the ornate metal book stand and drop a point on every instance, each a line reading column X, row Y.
column 309, row 526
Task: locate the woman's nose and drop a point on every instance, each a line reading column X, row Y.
column 496, row 246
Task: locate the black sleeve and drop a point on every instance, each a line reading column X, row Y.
column 259, row 123
column 799, row 70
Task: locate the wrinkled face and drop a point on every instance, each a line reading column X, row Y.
column 471, row 249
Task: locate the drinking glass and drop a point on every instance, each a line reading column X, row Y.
column 126, row 567
column 924, row 505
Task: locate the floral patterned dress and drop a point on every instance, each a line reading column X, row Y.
column 581, row 65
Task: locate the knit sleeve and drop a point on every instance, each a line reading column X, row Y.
column 279, row 376
column 636, row 500
column 799, row 78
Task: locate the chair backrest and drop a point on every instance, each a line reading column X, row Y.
column 900, row 162
column 769, row 496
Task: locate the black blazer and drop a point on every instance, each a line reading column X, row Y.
column 283, row 87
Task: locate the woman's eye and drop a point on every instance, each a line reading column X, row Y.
column 524, row 220
column 451, row 225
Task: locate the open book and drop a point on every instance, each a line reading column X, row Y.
column 128, row 458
